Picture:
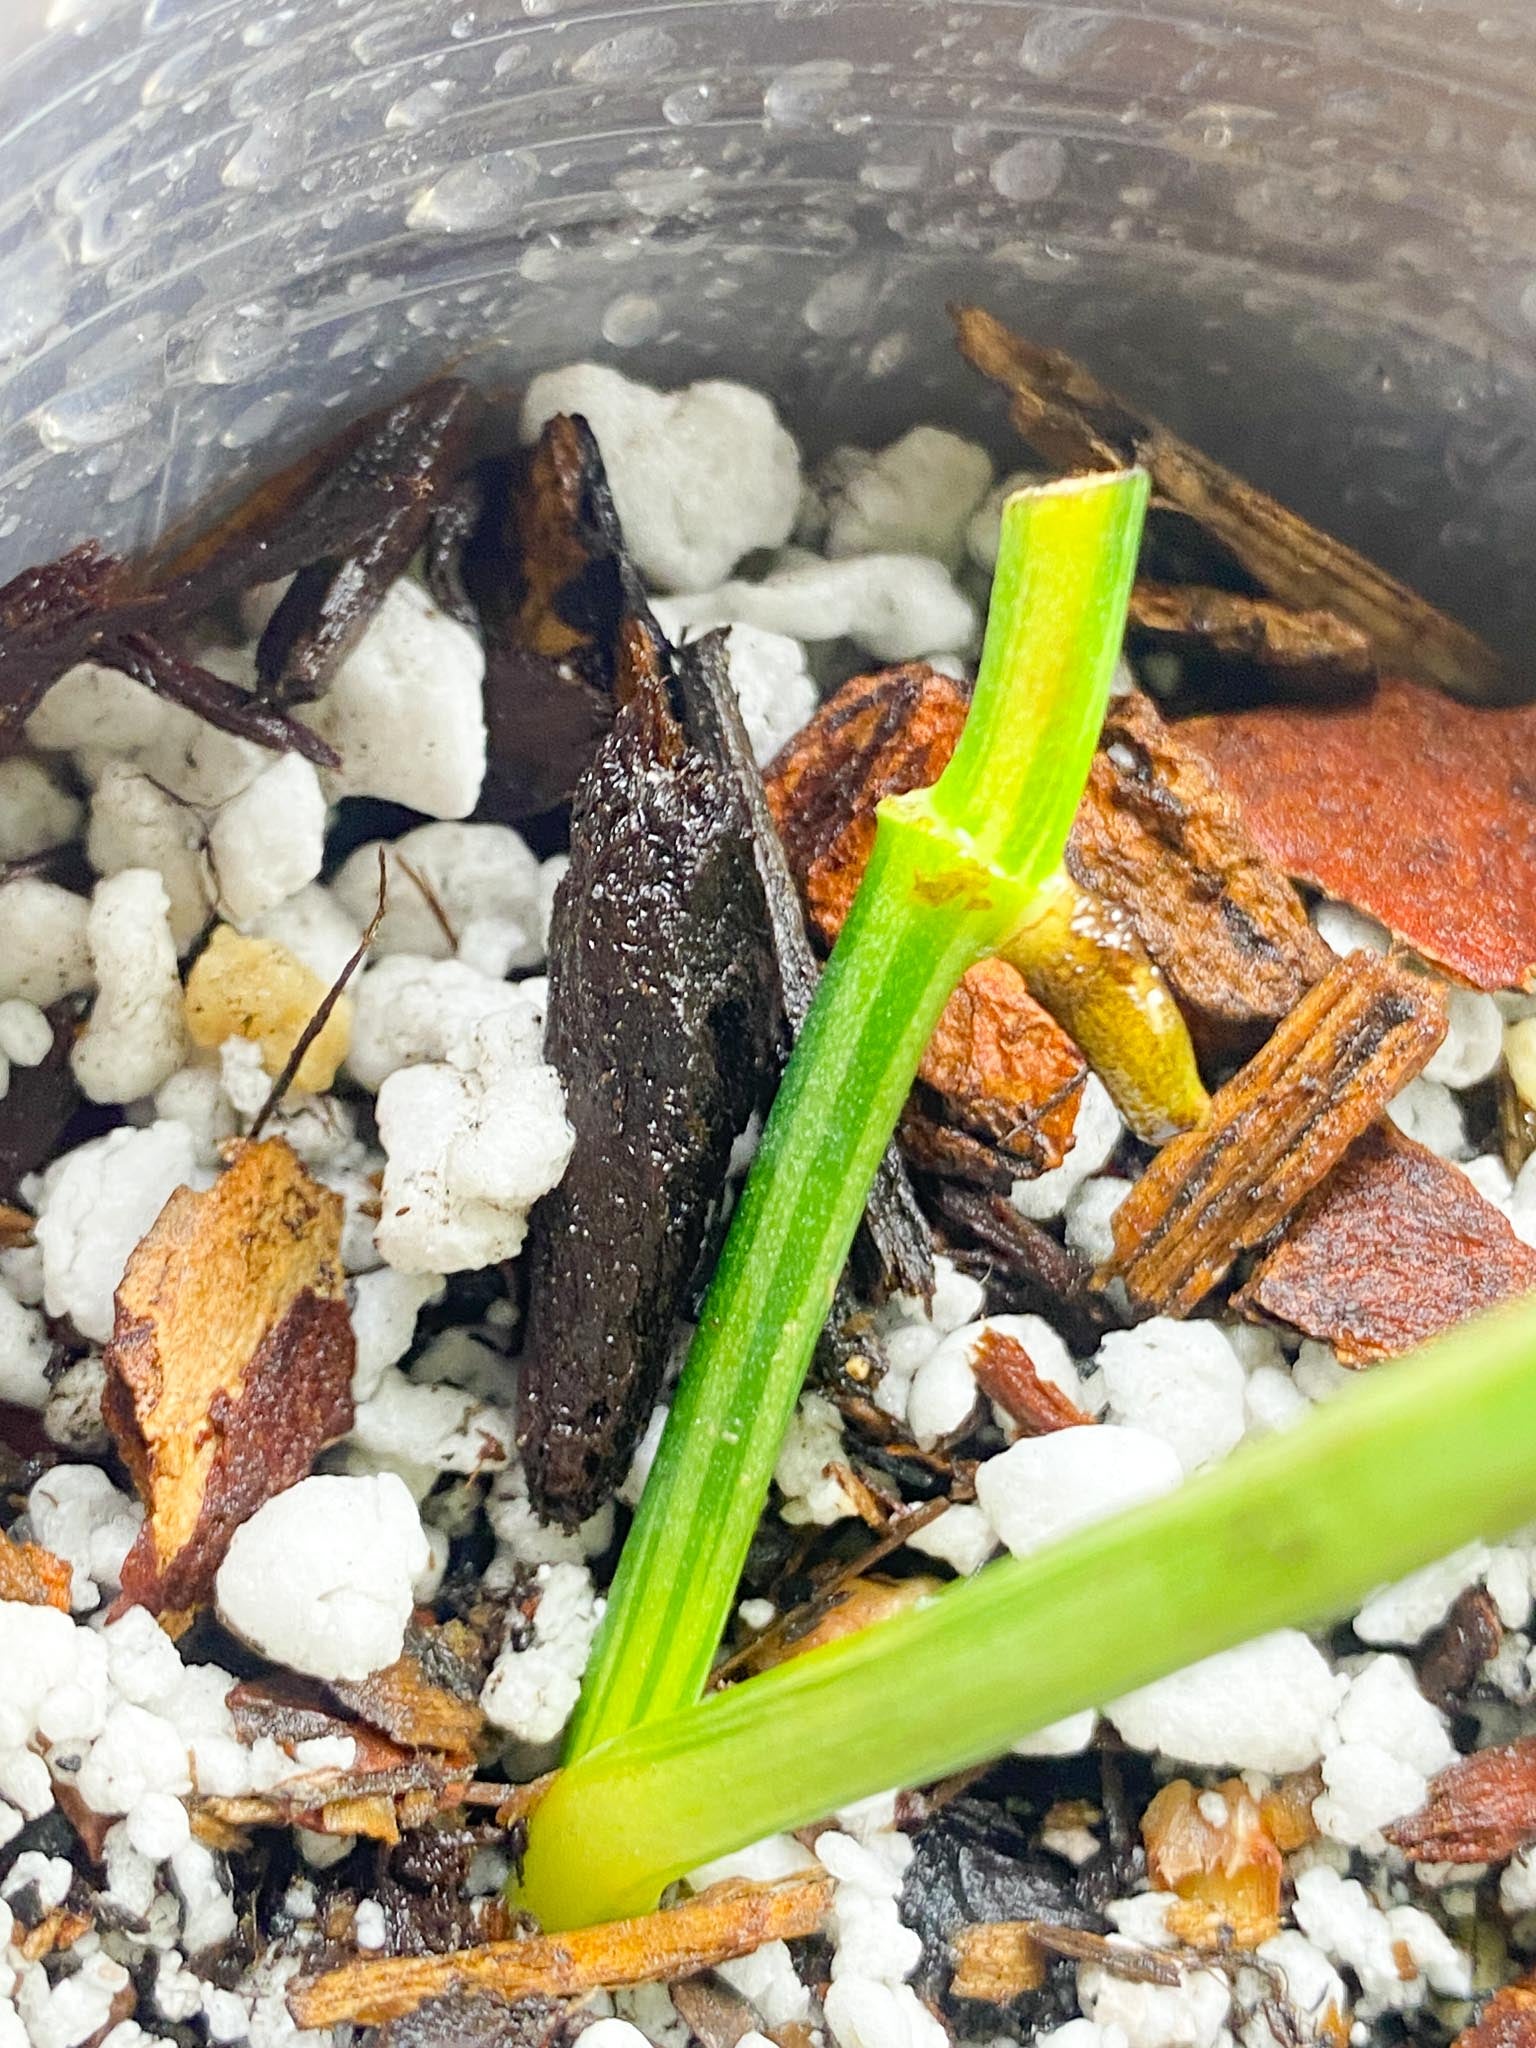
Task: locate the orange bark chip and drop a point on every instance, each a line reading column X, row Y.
column 1508, row 2020
column 1214, row 1850
column 32, row 1576
column 1480, row 1809
column 1006, row 1374
column 230, row 1364
column 1394, row 1247
column 1408, row 805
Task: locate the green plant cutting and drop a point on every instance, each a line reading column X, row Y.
column 955, row 873
column 1295, row 1530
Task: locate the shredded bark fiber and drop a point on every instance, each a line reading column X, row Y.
column 1416, row 809
column 727, row 1921
column 32, row 1576
column 1480, row 1809
column 1071, row 419
column 1159, row 835
column 230, row 1363
column 1275, row 1130
column 1394, row 1247
column 1312, row 652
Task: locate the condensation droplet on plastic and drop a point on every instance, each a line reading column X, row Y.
column 626, row 58
column 10, row 524
column 357, row 334
column 541, row 262
column 239, row 343
column 538, row 8
column 463, row 26
column 142, row 461
column 277, row 81
column 1056, row 41
column 422, row 108
column 889, row 353
column 257, row 421
column 271, row 153
column 1030, row 170
column 174, row 75
column 660, row 190
column 806, row 95
column 262, row 33
column 93, row 415
column 1517, row 160
column 630, row 319
column 34, row 291
column 483, row 194
column 842, row 303
column 517, row 56
column 689, row 104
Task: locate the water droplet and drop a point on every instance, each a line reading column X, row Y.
column 95, row 174
column 463, row 26
column 34, row 290
column 239, row 343
column 262, row 33
column 175, row 75
column 842, row 303
column 356, row 335
column 889, row 353
column 257, row 421
column 877, row 176
column 280, row 78
column 1030, row 170
column 662, row 190
column 1517, row 160
column 540, row 262
column 391, row 37
column 689, row 104
column 808, row 94
column 625, row 59
column 630, row 319
column 141, row 463
column 94, row 414
column 514, row 58
column 483, row 194
column 272, row 152
column 1056, row 40
column 9, row 525
column 422, row 108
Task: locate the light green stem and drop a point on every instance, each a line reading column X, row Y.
column 1423, row 1455
column 953, row 872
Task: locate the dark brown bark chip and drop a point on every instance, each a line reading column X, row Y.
column 403, row 468
column 1305, row 653
column 52, row 617
column 38, row 1105
column 1026, row 1270
column 455, row 517
column 894, row 1250
column 663, row 1025
column 568, row 631
column 1394, row 1247
column 1158, row 835
column 213, row 698
column 1451, row 1656
column 1274, row 1132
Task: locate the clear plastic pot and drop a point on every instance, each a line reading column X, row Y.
column 1306, row 233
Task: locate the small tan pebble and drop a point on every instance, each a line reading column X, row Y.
column 254, row 988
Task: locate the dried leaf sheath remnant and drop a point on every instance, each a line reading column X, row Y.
column 1394, row 1247
column 1065, row 413
column 1313, row 651
column 662, row 1022
column 230, row 1363
column 727, row 1921
column 1274, row 1131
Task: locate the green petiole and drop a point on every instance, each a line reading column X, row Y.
column 954, row 873
column 1421, row 1456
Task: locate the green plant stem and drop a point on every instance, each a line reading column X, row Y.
column 953, row 872
column 1421, row 1456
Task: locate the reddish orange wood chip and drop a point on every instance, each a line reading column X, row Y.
column 1413, row 807
column 1394, row 1247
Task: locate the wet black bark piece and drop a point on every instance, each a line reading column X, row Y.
column 1026, row 1271
column 450, row 529
column 54, row 616
column 568, row 632
column 212, row 698
column 403, row 469
column 972, row 1866
column 663, row 1026
column 893, row 1252
column 38, row 1104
